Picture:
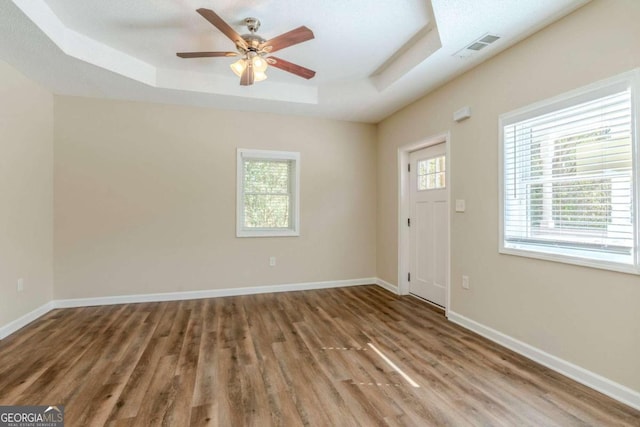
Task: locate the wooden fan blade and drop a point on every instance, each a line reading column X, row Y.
column 248, row 76
column 219, row 23
column 290, row 67
column 299, row 35
column 205, row 54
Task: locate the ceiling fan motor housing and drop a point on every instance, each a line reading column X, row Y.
column 253, row 24
column 252, row 40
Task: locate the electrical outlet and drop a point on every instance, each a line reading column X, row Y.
column 20, row 285
column 465, row 282
column 272, row 261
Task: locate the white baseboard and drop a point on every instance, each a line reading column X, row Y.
column 212, row 293
column 23, row 321
column 386, row 285
column 590, row 379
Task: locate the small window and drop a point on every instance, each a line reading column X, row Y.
column 267, row 193
column 431, row 173
column 568, row 168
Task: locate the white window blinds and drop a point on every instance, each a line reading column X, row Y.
column 568, row 178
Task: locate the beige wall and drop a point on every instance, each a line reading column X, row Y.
column 145, row 199
column 587, row 316
column 26, row 194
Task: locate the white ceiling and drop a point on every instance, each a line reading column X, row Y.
column 371, row 58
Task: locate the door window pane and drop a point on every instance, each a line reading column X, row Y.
column 431, row 173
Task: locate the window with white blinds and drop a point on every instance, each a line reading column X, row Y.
column 568, row 178
column 268, row 188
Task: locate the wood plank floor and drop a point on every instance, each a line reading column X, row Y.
column 298, row 358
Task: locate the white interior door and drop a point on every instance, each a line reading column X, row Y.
column 429, row 224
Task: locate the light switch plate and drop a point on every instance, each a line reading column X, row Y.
column 460, row 205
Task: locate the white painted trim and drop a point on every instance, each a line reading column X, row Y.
column 23, row 321
column 210, row 293
column 388, row 286
column 597, row 382
column 404, row 209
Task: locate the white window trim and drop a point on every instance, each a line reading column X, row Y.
column 598, row 89
column 244, row 153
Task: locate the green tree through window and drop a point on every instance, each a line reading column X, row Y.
column 267, row 193
column 576, row 203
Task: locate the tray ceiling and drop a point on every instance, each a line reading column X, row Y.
column 371, row 58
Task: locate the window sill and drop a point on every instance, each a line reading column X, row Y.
column 567, row 259
column 267, row 233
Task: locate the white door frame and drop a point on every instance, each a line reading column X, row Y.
column 404, row 211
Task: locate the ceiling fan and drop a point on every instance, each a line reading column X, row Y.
column 253, row 49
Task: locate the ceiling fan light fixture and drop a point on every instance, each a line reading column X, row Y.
column 259, row 67
column 238, row 67
column 259, row 63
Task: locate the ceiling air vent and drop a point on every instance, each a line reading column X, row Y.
column 476, row 45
